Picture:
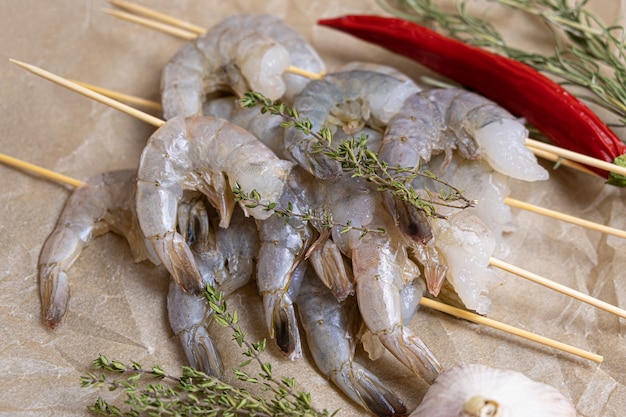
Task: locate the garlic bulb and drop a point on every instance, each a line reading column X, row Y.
column 481, row 391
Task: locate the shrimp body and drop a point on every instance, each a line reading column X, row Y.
column 242, row 53
column 224, row 59
column 347, row 100
column 331, row 329
column 281, row 265
column 301, row 54
column 208, row 155
column 381, row 268
column 376, row 263
column 225, row 258
column 105, row 204
column 443, row 120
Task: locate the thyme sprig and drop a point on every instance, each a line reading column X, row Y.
column 322, row 218
column 361, row 162
column 592, row 58
column 195, row 393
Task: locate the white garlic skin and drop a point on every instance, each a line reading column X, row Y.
column 515, row 394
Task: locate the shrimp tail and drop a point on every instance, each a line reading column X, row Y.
column 283, row 325
column 435, row 270
column 332, row 269
column 176, row 256
column 413, row 223
column 55, row 294
column 412, row 352
column 366, row 389
column 189, row 316
column 200, row 351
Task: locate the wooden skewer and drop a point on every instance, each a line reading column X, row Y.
column 46, row 173
column 91, row 94
column 565, row 217
column 557, row 287
column 65, row 83
column 561, row 161
column 187, row 35
column 158, row 122
column 115, row 95
column 144, row 11
column 163, row 27
column 576, row 157
column 475, row 318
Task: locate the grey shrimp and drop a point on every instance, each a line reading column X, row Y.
column 209, row 155
column 381, row 268
column 281, row 265
column 331, row 329
column 301, row 54
column 442, row 121
column 242, row 53
column 105, row 204
column 347, row 100
column 225, row 257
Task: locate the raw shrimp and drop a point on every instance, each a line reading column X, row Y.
column 281, row 265
column 209, row 155
column 302, row 55
column 348, row 100
column 377, row 264
column 331, row 329
column 105, row 204
column 225, row 258
column 480, row 182
column 242, row 53
column 441, row 121
column 467, row 245
column 381, row 268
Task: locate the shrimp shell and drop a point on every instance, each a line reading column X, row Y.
column 208, row 155
column 224, row 59
column 105, row 204
column 331, row 328
column 443, row 120
column 246, row 52
column 352, row 99
column 301, row 53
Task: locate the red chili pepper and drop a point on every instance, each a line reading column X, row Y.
column 519, row 88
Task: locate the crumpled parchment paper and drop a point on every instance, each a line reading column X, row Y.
column 118, row 307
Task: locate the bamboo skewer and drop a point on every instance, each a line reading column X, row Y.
column 457, row 312
column 163, row 27
column 557, row 287
column 576, row 157
column 187, row 35
column 561, row 161
column 557, row 215
column 188, row 31
column 436, row 305
column 165, row 18
column 90, row 93
column 46, row 173
column 116, row 95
